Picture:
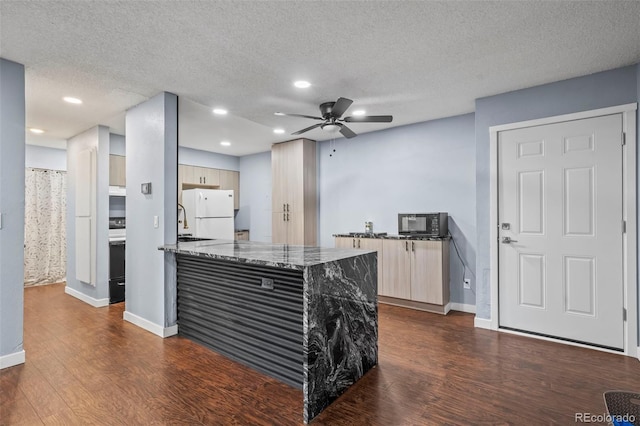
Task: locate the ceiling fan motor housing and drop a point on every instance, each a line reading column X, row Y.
column 325, row 109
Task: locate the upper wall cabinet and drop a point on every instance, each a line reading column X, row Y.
column 117, row 170
column 294, row 197
column 190, row 177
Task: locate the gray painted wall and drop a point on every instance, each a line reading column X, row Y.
column 424, row 167
column 214, row 160
column 12, row 161
column 42, row 157
column 97, row 137
column 117, row 144
column 255, row 196
column 604, row 89
column 152, row 156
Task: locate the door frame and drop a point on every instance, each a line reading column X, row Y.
column 629, row 239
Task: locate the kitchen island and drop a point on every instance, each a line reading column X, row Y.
column 307, row 316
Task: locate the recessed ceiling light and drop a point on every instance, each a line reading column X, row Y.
column 220, row 111
column 72, row 100
column 301, row 84
column 359, row 112
column 278, row 131
column 36, row 131
column 225, row 143
column 278, row 113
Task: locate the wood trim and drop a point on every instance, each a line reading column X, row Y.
column 420, row 306
column 96, row 303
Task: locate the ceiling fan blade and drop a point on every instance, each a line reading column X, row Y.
column 370, row 119
column 299, row 115
column 347, row 132
column 340, row 107
column 299, row 132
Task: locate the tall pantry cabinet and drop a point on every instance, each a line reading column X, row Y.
column 294, row 197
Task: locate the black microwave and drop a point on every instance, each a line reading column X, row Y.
column 423, row 224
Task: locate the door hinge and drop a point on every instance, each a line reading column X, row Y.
column 624, row 314
column 624, row 138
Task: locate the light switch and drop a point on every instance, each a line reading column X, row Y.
column 156, row 221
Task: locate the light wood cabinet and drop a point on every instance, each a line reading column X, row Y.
column 117, row 170
column 230, row 179
column 294, row 212
column 416, row 270
column 242, row 235
column 364, row 244
column 411, row 273
column 190, row 177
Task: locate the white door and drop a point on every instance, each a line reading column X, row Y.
column 560, row 196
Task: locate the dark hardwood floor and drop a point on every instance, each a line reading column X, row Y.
column 86, row 365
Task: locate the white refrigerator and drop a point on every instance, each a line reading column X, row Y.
column 209, row 213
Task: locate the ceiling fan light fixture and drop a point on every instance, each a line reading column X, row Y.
column 330, row 127
column 302, row 84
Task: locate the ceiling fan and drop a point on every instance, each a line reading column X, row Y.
column 331, row 121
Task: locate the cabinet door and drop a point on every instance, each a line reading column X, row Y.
column 210, row 177
column 189, row 175
column 396, row 269
column 426, row 272
column 374, row 244
column 278, row 178
column 295, row 176
column 344, row 242
column 230, row 179
column 117, row 170
column 279, row 228
column 296, row 229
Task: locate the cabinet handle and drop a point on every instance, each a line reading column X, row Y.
column 413, row 246
column 284, row 207
column 406, row 246
column 358, row 243
column 287, row 217
column 354, row 243
column 284, row 217
column 287, row 206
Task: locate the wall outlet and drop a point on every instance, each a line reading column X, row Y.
column 267, row 283
column 467, row 284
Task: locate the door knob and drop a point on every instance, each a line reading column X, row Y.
column 508, row 240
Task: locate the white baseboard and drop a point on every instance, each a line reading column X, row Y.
column 463, row 307
column 638, row 353
column 96, row 303
column 10, row 360
column 151, row 327
column 482, row 323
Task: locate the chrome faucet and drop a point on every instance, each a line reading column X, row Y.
column 186, row 226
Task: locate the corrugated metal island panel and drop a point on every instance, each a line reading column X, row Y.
column 223, row 306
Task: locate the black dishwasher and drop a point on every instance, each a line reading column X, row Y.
column 116, row 271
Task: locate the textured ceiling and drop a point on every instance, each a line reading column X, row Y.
column 415, row 60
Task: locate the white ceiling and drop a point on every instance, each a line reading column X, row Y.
column 415, row 60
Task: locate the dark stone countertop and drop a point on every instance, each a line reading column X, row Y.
column 277, row 255
column 384, row 235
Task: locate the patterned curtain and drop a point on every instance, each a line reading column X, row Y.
column 45, row 242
